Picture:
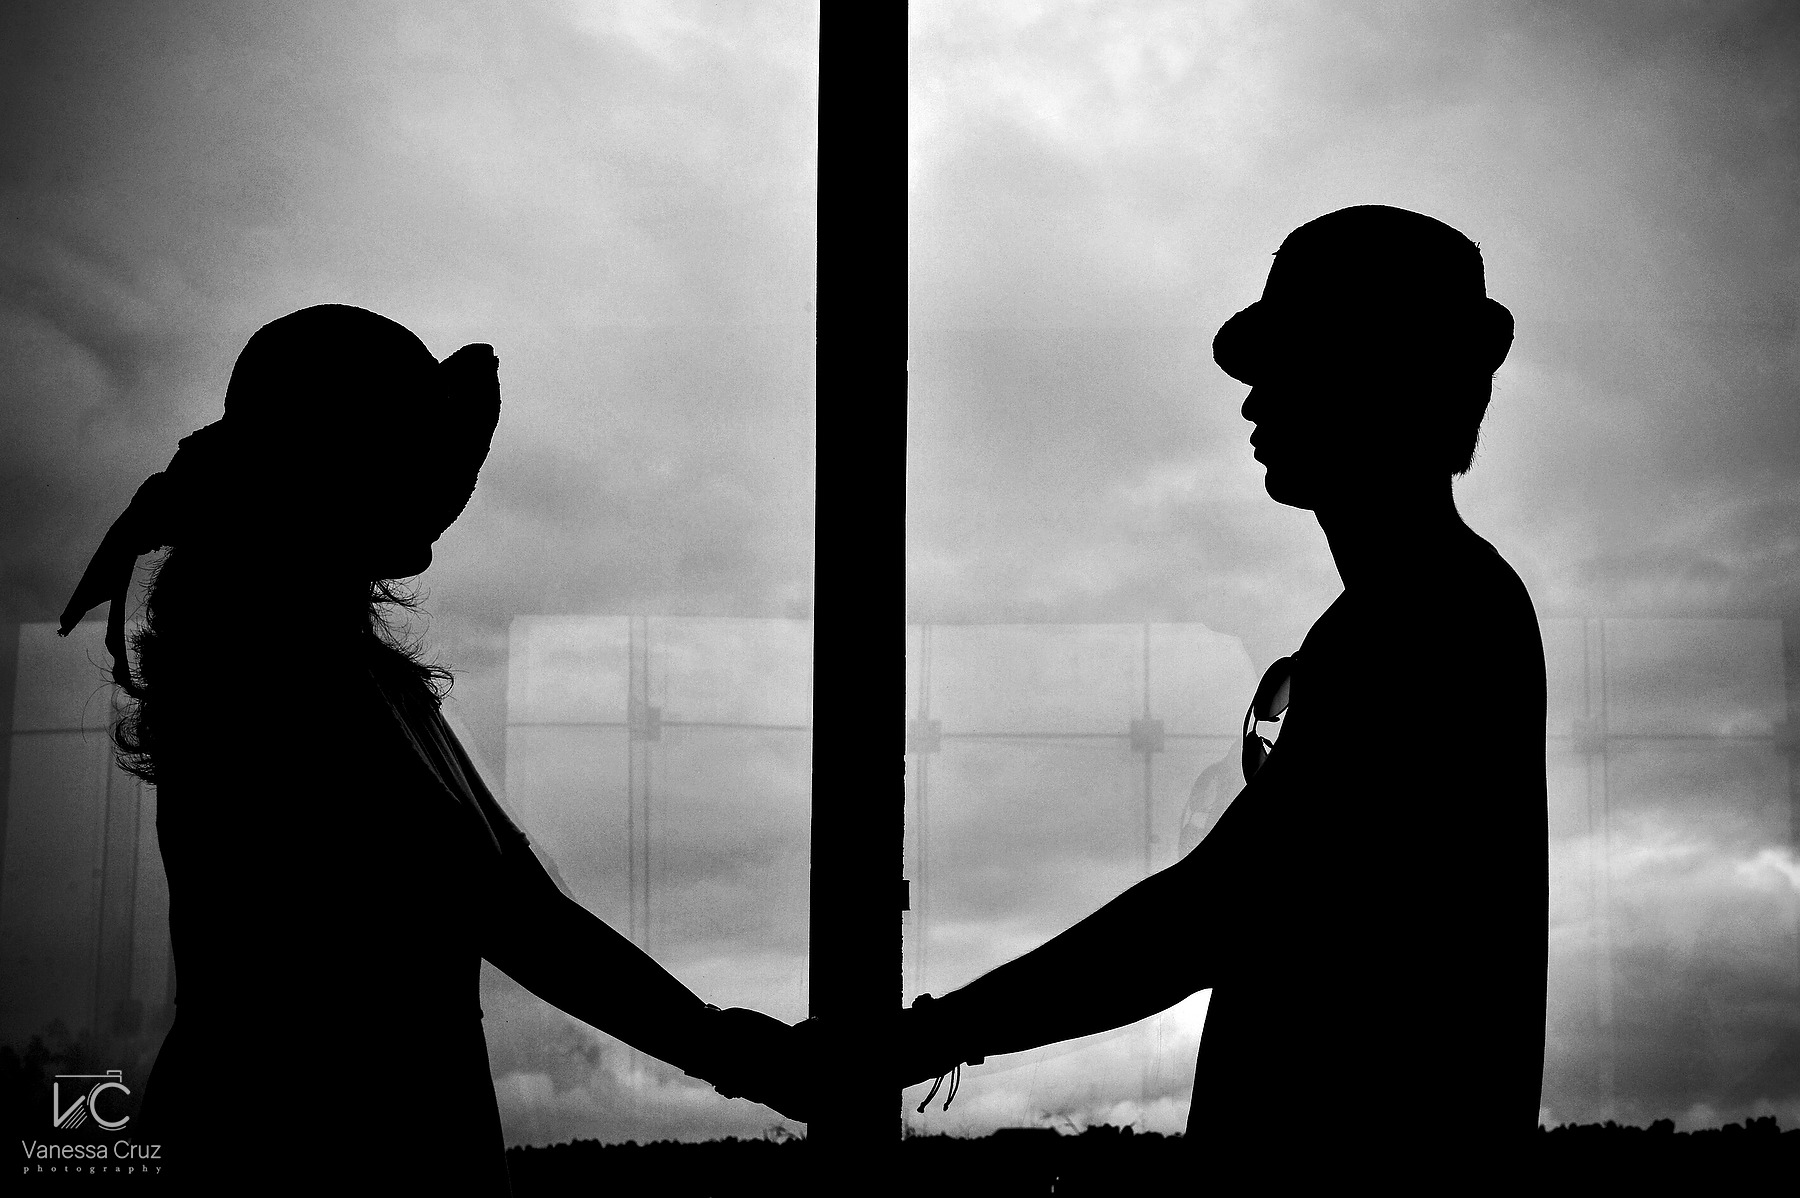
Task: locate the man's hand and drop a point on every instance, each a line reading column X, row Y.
column 927, row 1043
column 909, row 1046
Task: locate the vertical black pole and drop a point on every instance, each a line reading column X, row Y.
column 859, row 788
column 9, row 673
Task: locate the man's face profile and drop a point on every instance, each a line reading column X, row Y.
column 1368, row 357
column 1319, row 431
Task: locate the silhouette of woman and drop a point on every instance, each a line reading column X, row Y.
column 1376, row 950
column 336, row 868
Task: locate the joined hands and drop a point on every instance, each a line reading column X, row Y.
column 758, row 1057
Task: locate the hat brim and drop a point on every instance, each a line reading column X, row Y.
column 1262, row 337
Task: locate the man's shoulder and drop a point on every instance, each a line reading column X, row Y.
column 1479, row 590
column 1464, row 584
column 1465, row 611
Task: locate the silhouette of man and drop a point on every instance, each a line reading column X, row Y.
column 1376, row 950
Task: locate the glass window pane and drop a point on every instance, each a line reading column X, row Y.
column 1066, row 763
column 664, row 767
column 623, row 204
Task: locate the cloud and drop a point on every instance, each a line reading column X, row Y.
column 1694, row 1018
column 619, row 198
column 1095, row 188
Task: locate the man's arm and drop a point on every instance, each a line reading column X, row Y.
column 1123, row 963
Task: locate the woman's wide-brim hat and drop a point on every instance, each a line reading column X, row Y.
column 1369, row 288
column 334, row 416
column 338, row 402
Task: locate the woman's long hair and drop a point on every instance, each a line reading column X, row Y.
column 182, row 629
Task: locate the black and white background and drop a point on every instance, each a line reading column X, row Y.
column 620, row 197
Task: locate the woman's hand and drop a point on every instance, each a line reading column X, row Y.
column 756, row 1056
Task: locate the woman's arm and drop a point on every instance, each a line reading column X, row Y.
column 569, row 957
column 566, row 955
column 559, row 950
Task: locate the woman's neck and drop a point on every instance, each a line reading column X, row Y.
column 330, row 610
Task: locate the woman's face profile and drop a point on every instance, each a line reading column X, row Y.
column 370, row 546
column 397, row 542
column 394, row 539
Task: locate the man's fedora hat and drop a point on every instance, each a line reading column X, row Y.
column 1372, row 286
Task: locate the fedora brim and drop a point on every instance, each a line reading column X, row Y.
column 1475, row 336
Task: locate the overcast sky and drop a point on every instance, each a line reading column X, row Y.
column 1095, row 187
column 619, row 198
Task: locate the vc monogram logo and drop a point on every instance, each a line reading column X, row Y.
column 86, row 1106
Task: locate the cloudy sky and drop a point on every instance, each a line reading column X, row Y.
column 619, row 196
column 1096, row 187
